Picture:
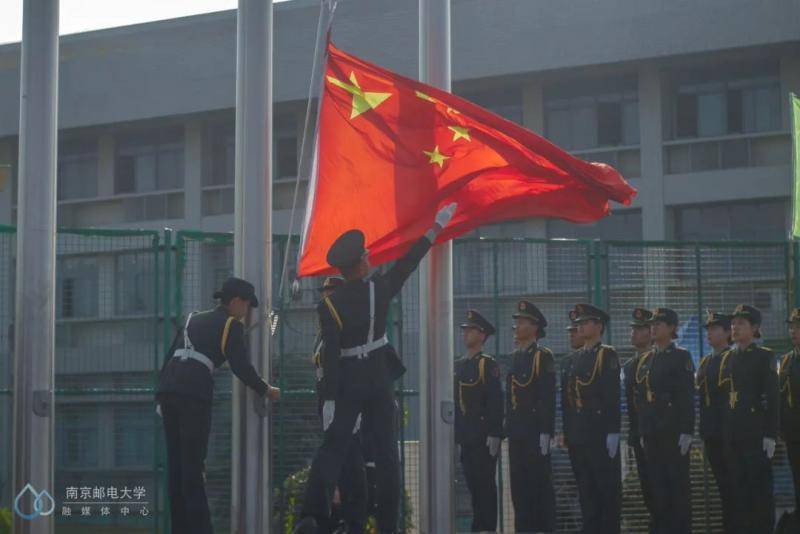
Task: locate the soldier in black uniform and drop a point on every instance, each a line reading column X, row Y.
column 664, row 395
column 641, row 342
column 530, row 423
column 478, row 398
column 749, row 383
column 789, row 381
column 718, row 332
column 356, row 348
column 185, row 392
column 352, row 483
column 590, row 399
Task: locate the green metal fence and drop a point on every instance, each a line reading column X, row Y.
column 122, row 294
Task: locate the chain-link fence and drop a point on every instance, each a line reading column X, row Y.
column 121, row 295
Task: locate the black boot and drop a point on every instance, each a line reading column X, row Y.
column 307, row 525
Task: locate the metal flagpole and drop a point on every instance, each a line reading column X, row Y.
column 35, row 279
column 250, row 478
column 437, row 468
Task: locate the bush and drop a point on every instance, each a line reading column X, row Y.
column 5, row 521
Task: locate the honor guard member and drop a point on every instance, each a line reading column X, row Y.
column 352, row 483
column 356, row 348
column 530, row 423
column 479, row 420
column 664, row 394
column 718, row 333
column 186, row 389
column 789, row 381
column 749, row 381
column 590, row 397
column 641, row 342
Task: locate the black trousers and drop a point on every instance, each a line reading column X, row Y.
column 352, row 486
column 644, row 480
column 715, row 455
column 668, row 471
column 532, row 490
column 599, row 485
column 187, row 424
column 358, row 396
column 751, row 482
column 480, row 469
column 793, row 451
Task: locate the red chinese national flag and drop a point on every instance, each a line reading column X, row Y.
column 391, row 151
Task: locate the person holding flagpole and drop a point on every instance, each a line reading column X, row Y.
column 359, row 369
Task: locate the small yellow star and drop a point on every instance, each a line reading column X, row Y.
column 436, row 157
column 459, row 132
column 423, row 96
column 362, row 100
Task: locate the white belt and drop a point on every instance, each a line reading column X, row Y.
column 191, row 354
column 362, row 351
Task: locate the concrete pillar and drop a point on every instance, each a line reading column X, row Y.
column 193, row 174
column 790, row 83
column 651, row 192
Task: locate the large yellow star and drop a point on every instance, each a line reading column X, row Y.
column 436, row 157
column 459, row 132
column 362, row 100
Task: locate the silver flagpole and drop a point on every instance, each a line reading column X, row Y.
column 436, row 315
column 250, row 478
column 35, row 279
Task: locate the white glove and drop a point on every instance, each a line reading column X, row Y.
column 769, row 447
column 445, row 214
column 328, row 408
column 544, row 443
column 260, row 406
column 494, row 445
column 612, row 445
column 357, row 426
column 685, row 443
column 158, row 410
column 641, row 442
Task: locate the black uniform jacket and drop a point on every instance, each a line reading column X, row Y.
column 218, row 336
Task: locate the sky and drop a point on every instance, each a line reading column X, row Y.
column 83, row 15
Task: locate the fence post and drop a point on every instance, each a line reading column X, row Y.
column 165, row 520
column 699, row 282
column 158, row 469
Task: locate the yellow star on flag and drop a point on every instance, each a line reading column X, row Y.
column 423, row 96
column 459, row 132
column 436, row 157
column 362, row 100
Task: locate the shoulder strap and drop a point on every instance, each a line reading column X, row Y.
column 333, row 311
column 187, row 343
column 371, row 334
column 225, row 333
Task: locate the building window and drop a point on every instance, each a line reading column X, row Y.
column 763, row 220
column 76, row 287
column 149, row 161
column 77, row 169
column 623, row 225
column 744, row 99
column 222, row 139
column 504, row 101
column 133, row 436
column 285, row 148
column 77, row 436
column 134, row 284
column 602, row 114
